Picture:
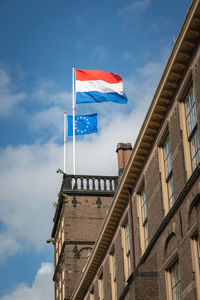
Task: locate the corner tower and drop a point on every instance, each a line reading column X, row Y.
column 80, row 211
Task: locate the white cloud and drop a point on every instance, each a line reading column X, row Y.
column 46, row 92
column 29, row 185
column 9, row 100
column 134, row 9
column 41, row 289
column 53, row 102
column 4, row 78
column 9, row 245
column 98, row 54
column 50, row 118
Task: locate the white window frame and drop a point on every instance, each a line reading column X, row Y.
column 195, row 247
column 113, row 274
column 173, row 286
column 168, row 173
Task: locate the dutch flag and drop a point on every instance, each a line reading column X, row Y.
column 99, row 86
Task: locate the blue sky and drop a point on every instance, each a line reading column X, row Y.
column 40, row 42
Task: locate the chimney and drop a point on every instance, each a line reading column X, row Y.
column 123, row 153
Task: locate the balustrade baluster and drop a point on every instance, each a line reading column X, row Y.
column 98, row 184
column 110, row 187
column 93, row 183
column 71, row 183
column 104, row 182
column 81, row 183
column 87, row 180
column 75, row 183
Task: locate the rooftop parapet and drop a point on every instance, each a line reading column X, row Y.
column 89, row 184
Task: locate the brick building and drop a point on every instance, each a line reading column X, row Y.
column 139, row 239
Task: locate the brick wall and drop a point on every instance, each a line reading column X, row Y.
column 119, row 263
column 153, row 195
column 83, row 221
column 107, row 282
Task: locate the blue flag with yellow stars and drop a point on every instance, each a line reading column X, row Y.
column 84, row 124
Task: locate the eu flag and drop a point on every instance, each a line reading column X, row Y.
column 84, row 124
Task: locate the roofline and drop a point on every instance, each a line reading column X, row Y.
column 176, row 65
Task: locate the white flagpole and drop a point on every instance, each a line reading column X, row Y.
column 73, row 108
column 65, row 140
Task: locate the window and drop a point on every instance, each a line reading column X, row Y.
column 191, row 127
column 63, row 283
column 143, row 204
column 198, row 249
column 113, row 275
column 92, row 294
column 169, row 180
column 126, row 249
column 196, row 262
column 101, row 287
column 175, row 282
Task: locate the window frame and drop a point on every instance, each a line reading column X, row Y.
column 171, row 288
column 143, row 203
column 168, row 172
column 91, row 294
column 101, row 286
column 191, row 126
column 127, row 246
column 195, row 249
column 126, row 242
column 112, row 259
column 186, row 143
column 143, row 218
column 175, row 281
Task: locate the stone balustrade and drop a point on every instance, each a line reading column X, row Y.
column 89, row 183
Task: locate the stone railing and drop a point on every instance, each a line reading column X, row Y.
column 89, row 183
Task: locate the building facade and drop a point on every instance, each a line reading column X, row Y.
column 80, row 211
column 146, row 241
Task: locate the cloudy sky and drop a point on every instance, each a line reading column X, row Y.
column 40, row 42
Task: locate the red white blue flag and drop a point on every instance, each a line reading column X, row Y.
column 99, row 86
